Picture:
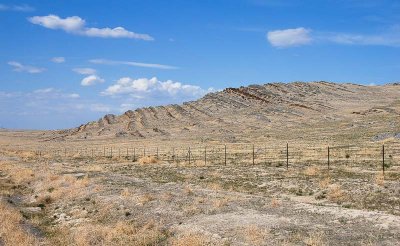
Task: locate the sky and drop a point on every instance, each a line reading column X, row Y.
column 65, row 63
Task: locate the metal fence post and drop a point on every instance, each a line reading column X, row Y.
column 328, row 157
column 225, row 155
column 383, row 159
column 253, row 154
column 189, row 156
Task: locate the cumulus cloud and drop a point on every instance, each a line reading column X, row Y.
column 19, row 67
column 58, row 59
column 18, row 8
column 77, row 25
column 131, row 63
column 91, row 80
column 84, row 71
column 289, row 37
column 137, row 87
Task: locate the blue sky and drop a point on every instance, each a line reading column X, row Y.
column 64, row 63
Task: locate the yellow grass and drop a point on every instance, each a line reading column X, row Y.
column 255, row 235
column 315, row 239
column 336, row 194
column 312, row 171
column 11, row 232
column 275, row 203
column 148, row 160
column 324, row 183
column 191, row 239
column 380, row 179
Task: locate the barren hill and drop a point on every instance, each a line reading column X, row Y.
column 292, row 111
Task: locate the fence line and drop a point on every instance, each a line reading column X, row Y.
column 247, row 154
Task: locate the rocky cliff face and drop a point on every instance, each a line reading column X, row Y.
column 255, row 110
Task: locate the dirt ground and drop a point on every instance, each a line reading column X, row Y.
column 104, row 201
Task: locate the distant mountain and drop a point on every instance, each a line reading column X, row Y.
column 281, row 111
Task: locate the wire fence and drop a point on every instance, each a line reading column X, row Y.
column 287, row 155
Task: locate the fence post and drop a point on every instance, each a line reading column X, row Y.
column 189, row 156
column 127, row 152
column 104, row 151
column 328, row 157
column 157, row 152
column 173, row 154
column 111, row 152
column 225, row 155
column 253, row 154
column 383, row 159
column 287, row 155
column 119, row 152
column 134, row 154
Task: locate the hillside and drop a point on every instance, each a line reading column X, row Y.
column 298, row 110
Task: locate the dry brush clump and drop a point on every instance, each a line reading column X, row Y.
column 380, row 179
column 315, row 239
column 255, row 235
column 11, row 231
column 336, row 194
column 192, row 239
column 312, row 171
column 148, row 160
column 119, row 233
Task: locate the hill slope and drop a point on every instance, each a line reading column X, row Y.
column 308, row 111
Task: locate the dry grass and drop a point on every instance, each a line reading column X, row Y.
column 312, row 171
column 146, row 198
column 254, row 235
column 380, row 179
column 188, row 191
column 126, row 193
column 324, row 183
column 219, row 203
column 191, row 239
column 336, row 194
column 275, row 203
column 148, row 160
column 22, row 175
column 54, row 187
column 215, row 186
column 315, row 239
column 121, row 233
column 11, row 232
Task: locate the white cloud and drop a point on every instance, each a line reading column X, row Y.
column 44, row 91
column 131, row 63
column 392, row 39
column 126, row 106
column 58, row 59
column 100, row 108
column 91, row 80
column 84, row 71
column 77, row 25
column 18, row 67
column 73, row 95
column 136, row 87
column 289, row 37
column 18, row 8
